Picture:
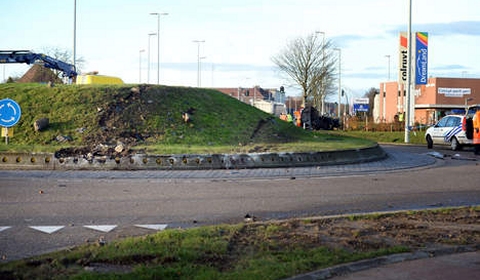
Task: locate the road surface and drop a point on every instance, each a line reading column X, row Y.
column 43, row 211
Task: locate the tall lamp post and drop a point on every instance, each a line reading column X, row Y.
column 339, row 79
column 408, row 116
column 140, row 65
column 388, row 57
column 148, row 55
column 158, row 43
column 198, row 60
column 322, row 89
column 200, row 71
column 74, row 34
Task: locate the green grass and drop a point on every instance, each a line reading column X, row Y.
column 270, row 250
column 397, row 137
column 221, row 124
column 93, row 115
column 242, row 251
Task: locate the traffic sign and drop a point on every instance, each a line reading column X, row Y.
column 362, row 100
column 10, row 112
column 360, row 107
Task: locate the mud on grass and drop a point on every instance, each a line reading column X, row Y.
column 258, row 250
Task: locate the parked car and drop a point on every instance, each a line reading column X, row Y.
column 450, row 130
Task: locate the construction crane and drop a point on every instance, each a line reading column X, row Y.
column 28, row 57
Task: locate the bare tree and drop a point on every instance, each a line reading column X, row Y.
column 65, row 56
column 370, row 94
column 309, row 63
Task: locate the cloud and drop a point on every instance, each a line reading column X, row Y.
column 223, row 67
column 469, row 28
column 450, row 67
column 344, row 41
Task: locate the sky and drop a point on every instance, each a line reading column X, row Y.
column 241, row 37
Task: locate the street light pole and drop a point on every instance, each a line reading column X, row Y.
column 409, row 73
column 158, row 43
column 339, row 79
column 388, row 57
column 140, row 65
column 322, row 89
column 200, row 71
column 74, row 31
column 74, row 34
column 148, row 55
column 198, row 59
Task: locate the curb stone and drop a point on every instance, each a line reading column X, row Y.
column 48, row 161
column 344, row 269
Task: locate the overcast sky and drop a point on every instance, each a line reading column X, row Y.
column 241, row 37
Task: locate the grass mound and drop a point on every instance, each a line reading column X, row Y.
column 99, row 118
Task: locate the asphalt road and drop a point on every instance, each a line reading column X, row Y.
column 42, row 211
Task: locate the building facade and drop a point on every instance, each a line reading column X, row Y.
column 271, row 101
column 440, row 96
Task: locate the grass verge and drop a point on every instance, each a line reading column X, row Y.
column 259, row 250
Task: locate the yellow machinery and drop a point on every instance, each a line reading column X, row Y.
column 97, row 80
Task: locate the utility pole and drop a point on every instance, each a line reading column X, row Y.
column 198, row 60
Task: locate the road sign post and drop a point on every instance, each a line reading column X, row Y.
column 361, row 105
column 10, row 113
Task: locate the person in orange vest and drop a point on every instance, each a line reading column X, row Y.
column 476, row 132
column 298, row 118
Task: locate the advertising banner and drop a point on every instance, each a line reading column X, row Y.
column 403, row 58
column 421, row 58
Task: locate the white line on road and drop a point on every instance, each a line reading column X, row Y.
column 47, row 229
column 153, row 226
column 103, row 228
column 4, row 228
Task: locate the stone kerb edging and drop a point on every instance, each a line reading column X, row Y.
column 190, row 161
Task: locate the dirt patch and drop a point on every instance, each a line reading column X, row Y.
column 414, row 230
column 118, row 121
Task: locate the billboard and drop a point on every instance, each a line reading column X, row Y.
column 421, row 58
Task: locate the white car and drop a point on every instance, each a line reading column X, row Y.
column 450, row 130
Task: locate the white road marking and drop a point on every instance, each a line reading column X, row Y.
column 102, row 228
column 47, row 229
column 4, row 228
column 153, row 226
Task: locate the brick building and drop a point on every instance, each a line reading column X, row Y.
column 269, row 100
column 438, row 97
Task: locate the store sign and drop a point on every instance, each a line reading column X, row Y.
column 454, row 92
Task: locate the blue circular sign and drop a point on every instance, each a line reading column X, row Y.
column 10, row 112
